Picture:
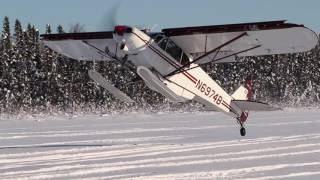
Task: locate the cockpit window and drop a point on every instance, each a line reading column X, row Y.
column 174, row 50
column 158, row 38
column 171, row 48
column 163, row 44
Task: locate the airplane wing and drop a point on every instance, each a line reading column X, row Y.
column 89, row 46
column 250, row 39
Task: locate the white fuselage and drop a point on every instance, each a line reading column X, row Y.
column 194, row 84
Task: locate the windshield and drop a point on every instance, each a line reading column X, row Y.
column 171, row 48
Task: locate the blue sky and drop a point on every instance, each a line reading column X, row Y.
column 99, row 15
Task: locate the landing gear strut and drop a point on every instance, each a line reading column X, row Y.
column 242, row 129
column 241, row 120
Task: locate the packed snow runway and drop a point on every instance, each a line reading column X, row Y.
column 284, row 144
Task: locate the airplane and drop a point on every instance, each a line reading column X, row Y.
column 169, row 62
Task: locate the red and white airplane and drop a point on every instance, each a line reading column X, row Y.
column 169, row 61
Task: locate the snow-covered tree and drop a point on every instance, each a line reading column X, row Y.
column 60, row 29
column 76, row 28
column 33, row 77
column 6, row 35
column 6, row 66
column 48, row 29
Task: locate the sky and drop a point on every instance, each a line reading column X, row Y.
column 102, row 15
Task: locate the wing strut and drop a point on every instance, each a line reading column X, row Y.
column 107, row 53
column 103, row 53
column 217, row 49
column 122, row 62
column 214, row 60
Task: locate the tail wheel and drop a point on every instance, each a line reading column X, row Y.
column 243, row 131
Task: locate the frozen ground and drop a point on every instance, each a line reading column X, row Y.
column 162, row 146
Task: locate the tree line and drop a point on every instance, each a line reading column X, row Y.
column 34, row 78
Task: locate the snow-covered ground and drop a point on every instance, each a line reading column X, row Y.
column 165, row 146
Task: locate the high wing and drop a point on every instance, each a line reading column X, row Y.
column 213, row 43
column 89, row 46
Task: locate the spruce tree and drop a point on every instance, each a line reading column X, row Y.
column 6, row 66
column 19, row 65
column 63, row 78
column 60, row 29
column 48, row 29
column 36, row 77
column 6, row 35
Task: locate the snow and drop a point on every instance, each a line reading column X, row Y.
column 278, row 145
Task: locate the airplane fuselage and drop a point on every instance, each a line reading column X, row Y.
column 161, row 56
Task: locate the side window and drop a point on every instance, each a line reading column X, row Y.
column 158, row 38
column 174, row 50
column 171, row 48
column 163, row 44
column 184, row 59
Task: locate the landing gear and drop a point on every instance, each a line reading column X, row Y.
column 243, row 131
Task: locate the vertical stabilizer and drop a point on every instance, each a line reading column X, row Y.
column 244, row 92
column 240, row 94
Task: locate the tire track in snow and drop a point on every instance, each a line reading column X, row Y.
column 238, row 173
column 154, row 154
column 80, row 170
column 161, row 148
column 152, row 163
column 81, row 158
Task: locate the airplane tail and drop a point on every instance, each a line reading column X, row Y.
column 243, row 99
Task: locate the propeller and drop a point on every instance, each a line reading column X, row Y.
column 110, row 23
column 109, row 20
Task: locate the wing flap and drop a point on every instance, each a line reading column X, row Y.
column 254, row 106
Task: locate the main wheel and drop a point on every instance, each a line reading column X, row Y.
column 243, row 131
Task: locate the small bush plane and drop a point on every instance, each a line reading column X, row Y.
column 169, row 62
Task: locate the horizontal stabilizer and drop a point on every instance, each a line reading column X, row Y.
column 94, row 75
column 254, row 106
